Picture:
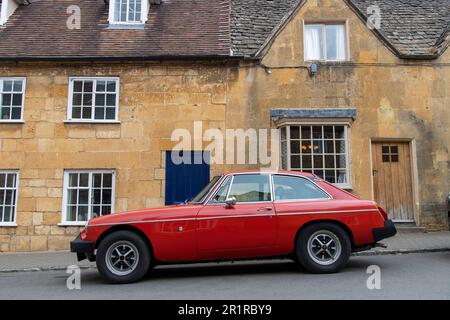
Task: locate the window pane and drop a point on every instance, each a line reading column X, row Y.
column 97, row 194
column 111, row 100
column 283, row 133
column 18, row 86
column 284, row 155
column 11, row 180
column 295, row 133
column 318, row 161
column 6, row 113
column 88, row 86
column 313, row 42
column 306, row 162
column 101, row 86
column 2, row 180
column 77, row 86
column 222, row 192
column 106, row 210
column 83, row 213
column 328, row 132
column 83, row 196
column 330, row 176
column 100, row 100
column 96, row 211
column 306, row 132
column 84, row 179
column 7, row 214
column 16, row 113
column 295, row 146
column 99, row 113
column 341, row 176
column 340, row 161
column 76, row 100
column 335, row 42
column 87, row 99
column 73, row 179
column 317, row 132
column 295, row 162
column 106, row 196
column 76, row 113
column 97, row 178
column 7, row 85
column 251, row 188
column 87, row 113
column 110, row 113
column 306, row 146
column 71, row 213
column 17, row 99
column 294, row 188
column 72, row 196
column 6, row 99
column 107, row 180
column 340, row 146
column 328, row 146
column 339, row 132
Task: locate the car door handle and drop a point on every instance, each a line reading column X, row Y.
column 264, row 209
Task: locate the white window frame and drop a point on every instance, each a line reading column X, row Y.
column 323, row 25
column 12, row 223
column 347, row 185
column 24, row 83
column 64, row 221
column 144, row 14
column 92, row 120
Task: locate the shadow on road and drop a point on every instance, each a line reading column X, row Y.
column 224, row 269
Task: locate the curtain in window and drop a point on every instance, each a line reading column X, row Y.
column 335, row 42
column 313, row 42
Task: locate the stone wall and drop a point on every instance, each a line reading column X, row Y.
column 155, row 99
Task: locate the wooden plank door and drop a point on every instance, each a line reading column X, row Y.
column 392, row 179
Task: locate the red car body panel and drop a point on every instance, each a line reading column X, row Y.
column 206, row 232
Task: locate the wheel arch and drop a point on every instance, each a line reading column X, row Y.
column 125, row 227
column 336, row 222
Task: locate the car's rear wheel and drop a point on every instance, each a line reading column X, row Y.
column 123, row 257
column 323, row 248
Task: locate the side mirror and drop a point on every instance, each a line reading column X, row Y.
column 230, row 202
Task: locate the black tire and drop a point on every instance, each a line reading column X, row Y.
column 139, row 262
column 323, row 263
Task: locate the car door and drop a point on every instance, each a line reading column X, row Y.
column 295, row 201
column 245, row 229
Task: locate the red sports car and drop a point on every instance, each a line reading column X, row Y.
column 239, row 215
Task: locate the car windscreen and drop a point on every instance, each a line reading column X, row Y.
column 205, row 191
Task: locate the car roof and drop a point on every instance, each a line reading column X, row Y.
column 297, row 173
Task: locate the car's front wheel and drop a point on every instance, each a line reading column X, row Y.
column 323, row 248
column 123, row 257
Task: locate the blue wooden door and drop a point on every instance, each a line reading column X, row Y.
column 184, row 181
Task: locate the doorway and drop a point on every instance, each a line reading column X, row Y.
column 392, row 179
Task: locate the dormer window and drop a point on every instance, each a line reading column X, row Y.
column 128, row 12
column 7, row 8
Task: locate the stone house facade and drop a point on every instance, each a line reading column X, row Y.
column 88, row 113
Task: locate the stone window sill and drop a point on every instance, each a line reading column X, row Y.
column 8, row 224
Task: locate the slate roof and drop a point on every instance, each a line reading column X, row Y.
column 175, row 28
column 252, row 21
column 414, row 28
column 204, row 29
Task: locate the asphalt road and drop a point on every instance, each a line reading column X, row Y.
column 409, row 276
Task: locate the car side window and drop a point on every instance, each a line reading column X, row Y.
column 251, row 188
column 221, row 194
column 296, row 188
